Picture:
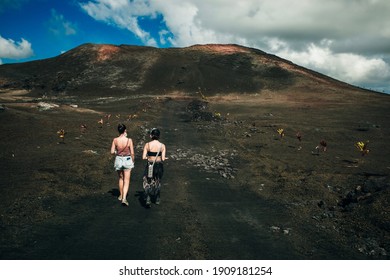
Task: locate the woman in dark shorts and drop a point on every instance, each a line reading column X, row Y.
column 154, row 152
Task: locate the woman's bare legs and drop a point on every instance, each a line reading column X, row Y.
column 126, row 184
column 121, row 177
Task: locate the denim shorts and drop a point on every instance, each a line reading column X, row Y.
column 123, row 162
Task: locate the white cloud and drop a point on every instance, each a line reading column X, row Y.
column 346, row 39
column 348, row 67
column 59, row 26
column 15, row 50
column 123, row 14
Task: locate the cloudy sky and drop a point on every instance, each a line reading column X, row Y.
column 346, row 39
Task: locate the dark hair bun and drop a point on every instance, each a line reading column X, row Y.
column 121, row 128
column 155, row 133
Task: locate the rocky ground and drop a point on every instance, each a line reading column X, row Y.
column 234, row 187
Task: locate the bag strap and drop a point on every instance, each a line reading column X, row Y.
column 127, row 144
column 155, row 159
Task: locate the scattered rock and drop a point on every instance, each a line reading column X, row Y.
column 285, row 231
column 43, row 106
column 219, row 163
column 91, row 152
column 275, row 229
column 370, row 247
column 199, row 112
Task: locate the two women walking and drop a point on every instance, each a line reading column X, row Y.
column 154, row 152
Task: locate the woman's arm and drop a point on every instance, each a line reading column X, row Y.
column 113, row 147
column 164, row 150
column 131, row 149
column 144, row 156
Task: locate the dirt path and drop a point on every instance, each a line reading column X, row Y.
column 203, row 214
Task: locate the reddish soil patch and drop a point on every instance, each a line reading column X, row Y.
column 106, row 52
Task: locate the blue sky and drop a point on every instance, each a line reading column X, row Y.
column 55, row 26
column 346, row 39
